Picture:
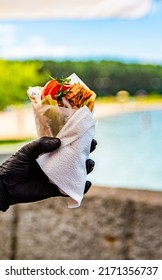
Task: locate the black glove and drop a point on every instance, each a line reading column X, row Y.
column 21, row 178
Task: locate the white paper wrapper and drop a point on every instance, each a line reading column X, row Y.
column 76, row 128
column 50, row 119
column 66, row 166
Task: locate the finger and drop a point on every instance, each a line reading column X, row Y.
column 87, row 186
column 55, row 191
column 89, row 165
column 40, row 146
column 93, row 145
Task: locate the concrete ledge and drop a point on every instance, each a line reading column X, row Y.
column 110, row 224
column 7, row 234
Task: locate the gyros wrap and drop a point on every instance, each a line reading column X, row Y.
column 63, row 108
column 57, row 101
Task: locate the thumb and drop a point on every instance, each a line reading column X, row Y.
column 40, row 146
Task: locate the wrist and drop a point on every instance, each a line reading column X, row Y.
column 4, row 205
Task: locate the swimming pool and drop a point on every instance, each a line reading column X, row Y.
column 129, row 151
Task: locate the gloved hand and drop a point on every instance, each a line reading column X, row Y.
column 21, row 178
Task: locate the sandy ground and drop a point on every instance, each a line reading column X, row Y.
column 17, row 124
column 110, row 109
column 21, row 124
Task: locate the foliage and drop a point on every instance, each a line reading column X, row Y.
column 15, row 79
column 106, row 78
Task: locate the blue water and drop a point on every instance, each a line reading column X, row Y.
column 129, row 151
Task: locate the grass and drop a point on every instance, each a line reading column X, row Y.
column 8, row 146
column 14, row 141
column 145, row 99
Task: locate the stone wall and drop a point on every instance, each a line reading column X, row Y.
column 110, row 224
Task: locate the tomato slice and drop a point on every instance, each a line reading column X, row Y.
column 51, row 87
column 65, row 87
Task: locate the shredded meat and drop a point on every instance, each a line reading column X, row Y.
column 77, row 95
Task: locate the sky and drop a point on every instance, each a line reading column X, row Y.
column 127, row 40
